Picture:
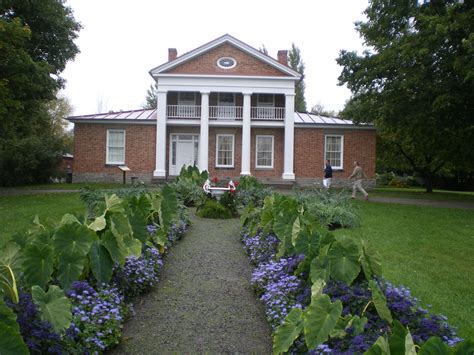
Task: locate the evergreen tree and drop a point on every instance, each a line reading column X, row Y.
column 416, row 82
column 296, row 63
column 151, row 98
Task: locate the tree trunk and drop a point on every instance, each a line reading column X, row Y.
column 428, row 183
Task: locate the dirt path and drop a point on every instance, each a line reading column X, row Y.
column 203, row 302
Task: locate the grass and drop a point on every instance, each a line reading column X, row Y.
column 419, row 193
column 63, row 186
column 18, row 212
column 429, row 250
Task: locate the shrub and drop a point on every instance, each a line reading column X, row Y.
column 97, row 318
column 251, row 191
column 189, row 192
column 333, row 209
column 228, row 201
column 213, row 209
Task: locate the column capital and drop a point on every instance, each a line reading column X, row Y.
column 161, row 91
column 205, row 92
column 247, row 93
column 293, row 94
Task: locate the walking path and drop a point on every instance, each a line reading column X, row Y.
column 203, row 302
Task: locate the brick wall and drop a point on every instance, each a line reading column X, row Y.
column 90, row 152
column 207, row 64
column 309, row 152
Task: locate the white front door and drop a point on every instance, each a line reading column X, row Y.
column 183, row 152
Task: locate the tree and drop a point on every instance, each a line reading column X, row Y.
column 151, row 98
column 58, row 110
column 263, row 49
column 416, row 81
column 296, row 63
column 36, row 42
column 319, row 109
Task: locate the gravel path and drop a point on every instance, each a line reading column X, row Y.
column 203, row 302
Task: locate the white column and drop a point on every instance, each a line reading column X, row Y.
column 246, row 122
column 204, row 136
column 160, row 170
column 288, row 173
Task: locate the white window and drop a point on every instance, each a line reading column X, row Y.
column 334, row 150
column 115, row 146
column 225, row 150
column 264, row 152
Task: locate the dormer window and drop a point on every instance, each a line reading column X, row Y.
column 226, row 63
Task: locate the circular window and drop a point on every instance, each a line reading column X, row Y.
column 226, row 63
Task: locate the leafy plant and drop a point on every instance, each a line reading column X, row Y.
column 213, row 209
column 250, row 191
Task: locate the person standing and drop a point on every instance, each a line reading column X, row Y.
column 358, row 174
column 327, row 175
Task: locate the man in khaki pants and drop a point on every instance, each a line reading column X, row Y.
column 358, row 174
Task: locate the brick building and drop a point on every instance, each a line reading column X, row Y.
column 229, row 109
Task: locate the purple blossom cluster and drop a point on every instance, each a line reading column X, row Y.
column 138, row 275
column 277, row 286
column 97, row 318
column 177, row 230
column 260, row 248
column 38, row 335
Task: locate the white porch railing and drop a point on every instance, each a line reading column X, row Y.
column 184, row 111
column 225, row 112
column 267, row 113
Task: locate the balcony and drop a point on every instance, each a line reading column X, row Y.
column 226, row 112
column 267, row 113
column 183, row 111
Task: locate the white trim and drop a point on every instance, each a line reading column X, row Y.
column 217, row 150
column 256, row 151
column 177, row 140
column 217, row 42
column 107, row 161
column 339, row 167
column 213, row 76
column 222, row 67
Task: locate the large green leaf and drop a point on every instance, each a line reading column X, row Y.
column 380, row 347
column 380, row 302
column 319, row 269
column 296, row 230
column 370, row 261
column 70, row 266
column 435, row 346
column 11, row 341
column 115, row 246
column 73, row 238
column 113, row 204
column 358, row 324
column 9, row 266
column 120, row 225
column 134, row 246
column 320, row 318
column 343, row 258
column 169, row 207
column 54, row 306
column 401, row 341
column 287, row 332
column 138, row 222
column 98, row 224
column 100, row 263
column 38, row 264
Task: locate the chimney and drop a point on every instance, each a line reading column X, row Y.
column 283, row 57
column 172, row 54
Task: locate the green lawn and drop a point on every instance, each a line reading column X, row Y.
column 428, row 249
column 18, row 212
column 419, row 193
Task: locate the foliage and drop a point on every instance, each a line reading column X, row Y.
column 332, row 208
column 415, row 82
column 138, row 274
column 36, row 40
column 228, row 201
column 188, row 186
column 38, row 334
column 251, row 191
column 97, row 318
column 213, row 209
column 324, row 292
column 151, row 98
column 296, row 63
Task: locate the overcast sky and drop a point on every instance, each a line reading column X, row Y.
column 122, row 40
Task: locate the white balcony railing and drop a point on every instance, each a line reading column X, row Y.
column 267, row 113
column 184, row 111
column 225, row 112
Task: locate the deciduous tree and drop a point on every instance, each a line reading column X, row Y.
column 296, row 63
column 415, row 81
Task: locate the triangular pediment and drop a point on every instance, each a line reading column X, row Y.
column 205, row 60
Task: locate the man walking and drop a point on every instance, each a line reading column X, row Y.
column 358, row 174
column 327, row 175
